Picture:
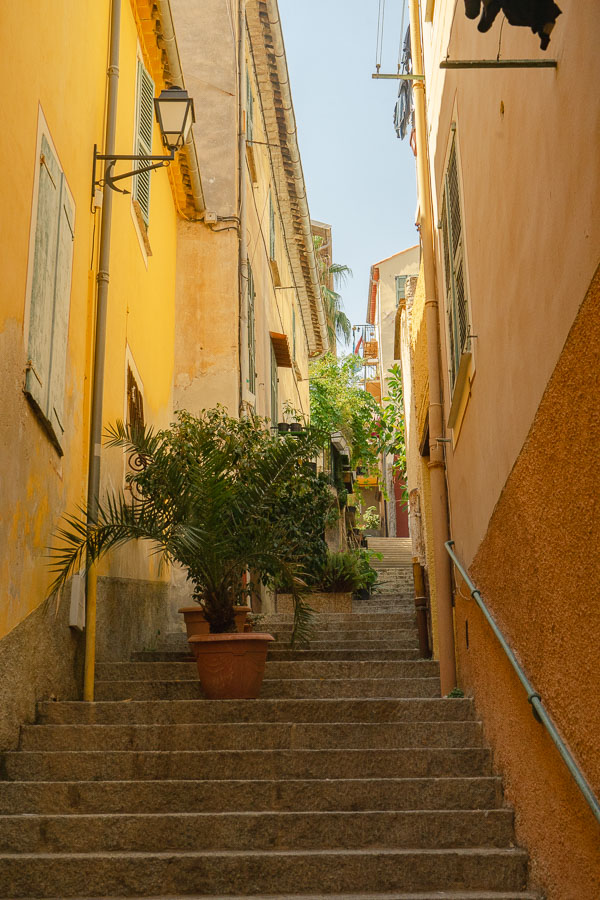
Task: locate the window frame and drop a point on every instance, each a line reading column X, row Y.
column 48, row 299
column 251, row 308
column 456, row 292
column 143, row 137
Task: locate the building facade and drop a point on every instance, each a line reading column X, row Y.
column 212, row 289
column 515, row 193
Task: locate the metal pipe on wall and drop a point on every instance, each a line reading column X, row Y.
column 243, row 236
column 437, row 467
column 102, row 279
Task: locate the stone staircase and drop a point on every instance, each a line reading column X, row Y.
column 349, row 779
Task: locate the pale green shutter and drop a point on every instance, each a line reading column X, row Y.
column 456, row 295
column 249, row 109
column 50, row 294
column 271, row 227
column 41, row 308
column 62, row 302
column 251, row 334
column 144, row 124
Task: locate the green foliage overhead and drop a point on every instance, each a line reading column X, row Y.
column 390, row 427
column 338, row 402
column 218, row 495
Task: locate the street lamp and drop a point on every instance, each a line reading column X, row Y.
column 175, row 115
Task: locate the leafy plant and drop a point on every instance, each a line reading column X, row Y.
column 338, row 402
column 390, row 426
column 215, row 494
column 369, row 575
column 338, row 323
column 341, row 572
column 368, row 519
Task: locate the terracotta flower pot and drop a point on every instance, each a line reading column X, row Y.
column 195, row 620
column 231, row 666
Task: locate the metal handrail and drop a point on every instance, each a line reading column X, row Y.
column 532, row 695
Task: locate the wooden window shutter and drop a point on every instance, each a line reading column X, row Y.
column 42, row 286
column 249, row 109
column 271, row 227
column 62, row 303
column 251, row 334
column 50, row 294
column 144, row 125
column 456, row 295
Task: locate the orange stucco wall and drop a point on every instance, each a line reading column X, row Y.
column 538, row 569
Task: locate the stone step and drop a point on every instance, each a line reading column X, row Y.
column 63, row 797
column 288, row 711
column 407, row 643
column 350, row 619
column 298, row 653
column 427, row 895
column 254, row 735
column 110, row 765
column 225, row 873
column 356, row 634
column 381, row 623
column 364, row 830
column 274, row 688
column 326, row 668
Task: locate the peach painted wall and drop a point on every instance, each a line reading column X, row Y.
column 538, row 569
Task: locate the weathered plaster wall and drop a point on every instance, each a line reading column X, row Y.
column 538, row 568
column 530, row 181
column 132, row 615
column 41, row 658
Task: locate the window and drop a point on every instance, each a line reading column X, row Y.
column 459, row 341
column 249, row 109
column 271, row 227
column 144, row 124
column 251, row 333
column 400, row 288
column 274, row 388
column 50, row 294
column 293, row 332
column 135, row 402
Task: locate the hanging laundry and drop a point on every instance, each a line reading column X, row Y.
column 403, row 110
column 539, row 15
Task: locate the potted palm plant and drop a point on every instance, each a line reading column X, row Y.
column 207, row 493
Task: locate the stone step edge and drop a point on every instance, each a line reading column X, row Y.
column 427, row 895
column 491, row 852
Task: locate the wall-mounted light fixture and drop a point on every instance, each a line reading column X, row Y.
column 175, row 115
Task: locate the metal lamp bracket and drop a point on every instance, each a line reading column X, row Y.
column 109, row 179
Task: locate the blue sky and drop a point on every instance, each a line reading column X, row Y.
column 360, row 177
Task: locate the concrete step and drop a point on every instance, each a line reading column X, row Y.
column 225, row 873
column 287, row 653
column 64, row 797
column 353, row 634
column 426, row 895
column 288, row 711
column 364, row 830
column 251, row 735
column 274, row 688
column 158, row 671
column 386, row 624
column 410, row 642
column 110, row 765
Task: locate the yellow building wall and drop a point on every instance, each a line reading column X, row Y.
column 58, row 69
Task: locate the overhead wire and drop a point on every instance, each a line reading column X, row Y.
column 380, row 26
column 401, row 41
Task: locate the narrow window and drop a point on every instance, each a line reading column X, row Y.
column 271, row 227
column 454, row 269
column 144, row 124
column 135, row 402
column 251, row 334
column 400, row 288
column 293, row 332
column 274, row 388
column 249, row 109
column 50, row 294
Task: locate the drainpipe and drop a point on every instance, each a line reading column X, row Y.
column 243, row 240
column 102, row 279
column 437, row 468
